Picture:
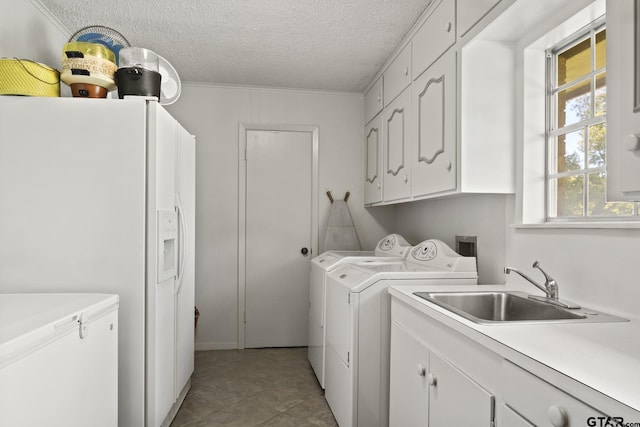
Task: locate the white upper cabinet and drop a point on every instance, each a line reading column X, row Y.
column 623, row 103
column 398, row 76
column 447, row 109
column 373, row 101
column 472, row 11
column 433, row 154
column 437, row 34
column 396, row 140
column 373, row 161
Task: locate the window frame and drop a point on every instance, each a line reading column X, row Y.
column 553, row 131
column 530, row 45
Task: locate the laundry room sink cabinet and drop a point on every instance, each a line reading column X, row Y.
column 449, row 371
column 427, row 390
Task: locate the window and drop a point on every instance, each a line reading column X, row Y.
column 576, row 131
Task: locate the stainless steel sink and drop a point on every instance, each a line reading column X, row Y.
column 510, row 307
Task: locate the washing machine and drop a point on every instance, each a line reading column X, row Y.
column 391, row 247
column 358, row 324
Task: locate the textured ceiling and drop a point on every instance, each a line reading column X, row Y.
column 311, row 44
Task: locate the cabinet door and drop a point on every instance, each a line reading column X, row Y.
column 408, row 388
column 507, row 417
column 437, row 34
column 373, row 161
column 397, row 127
column 373, row 101
column 540, row 402
column 623, row 103
column 472, row 11
column 398, row 76
column 433, row 165
column 455, row 399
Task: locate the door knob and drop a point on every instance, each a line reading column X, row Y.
column 304, row 251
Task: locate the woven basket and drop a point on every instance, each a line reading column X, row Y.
column 26, row 77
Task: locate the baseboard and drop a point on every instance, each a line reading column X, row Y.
column 205, row 346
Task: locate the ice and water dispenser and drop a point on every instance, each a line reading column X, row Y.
column 167, row 244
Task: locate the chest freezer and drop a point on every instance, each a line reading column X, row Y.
column 59, row 360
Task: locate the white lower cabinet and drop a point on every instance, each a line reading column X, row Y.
column 408, row 387
column 439, row 377
column 507, row 417
column 427, row 390
column 454, row 398
column 541, row 403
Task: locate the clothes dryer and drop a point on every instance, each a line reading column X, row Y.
column 391, row 247
column 358, row 324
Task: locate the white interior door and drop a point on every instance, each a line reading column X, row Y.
column 278, row 237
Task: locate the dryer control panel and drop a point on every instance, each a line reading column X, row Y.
column 436, row 254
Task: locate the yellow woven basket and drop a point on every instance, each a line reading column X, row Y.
column 26, row 77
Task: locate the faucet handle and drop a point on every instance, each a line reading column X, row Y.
column 549, row 282
column 548, row 278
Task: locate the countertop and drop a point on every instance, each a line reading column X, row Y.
column 604, row 357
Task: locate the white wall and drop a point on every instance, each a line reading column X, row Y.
column 598, row 268
column 29, row 31
column 213, row 114
column 483, row 216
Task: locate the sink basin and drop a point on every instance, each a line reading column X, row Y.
column 508, row 307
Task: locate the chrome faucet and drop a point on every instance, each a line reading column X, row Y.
column 550, row 287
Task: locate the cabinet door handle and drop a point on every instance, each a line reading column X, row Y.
column 632, row 143
column 422, row 371
column 557, row 416
column 432, row 380
column 448, row 27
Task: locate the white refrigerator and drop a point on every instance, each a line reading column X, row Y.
column 98, row 195
column 59, row 360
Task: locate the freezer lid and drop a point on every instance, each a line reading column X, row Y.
column 27, row 320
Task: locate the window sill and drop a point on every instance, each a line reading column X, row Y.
column 578, row 225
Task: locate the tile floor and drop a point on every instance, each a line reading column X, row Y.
column 254, row 387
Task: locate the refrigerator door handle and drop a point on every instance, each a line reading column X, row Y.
column 183, row 239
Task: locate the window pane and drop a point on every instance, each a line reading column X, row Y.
column 570, row 195
column 601, row 49
column 597, row 199
column 601, row 94
column 574, row 104
column 597, row 145
column 574, row 62
column 569, row 152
